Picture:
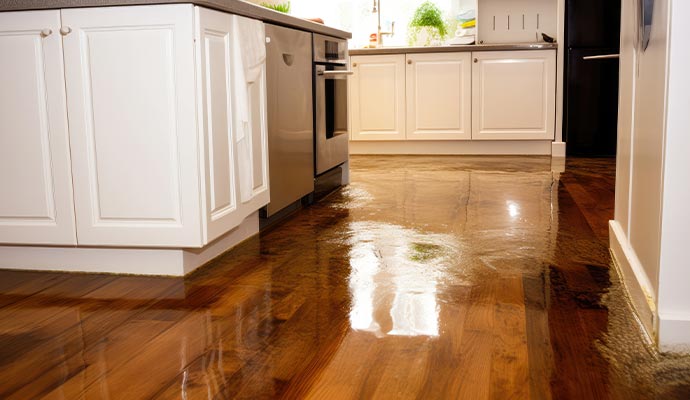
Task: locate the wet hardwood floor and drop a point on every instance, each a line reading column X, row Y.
column 427, row 277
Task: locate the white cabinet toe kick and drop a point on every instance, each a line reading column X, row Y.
column 129, row 134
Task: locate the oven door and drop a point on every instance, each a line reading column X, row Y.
column 331, row 126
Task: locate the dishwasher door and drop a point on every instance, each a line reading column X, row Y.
column 290, row 116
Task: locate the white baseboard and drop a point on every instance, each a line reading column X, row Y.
column 135, row 261
column 674, row 332
column 635, row 280
column 452, row 147
column 558, row 149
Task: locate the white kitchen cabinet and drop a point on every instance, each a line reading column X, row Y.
column 131, row 100
column 482, row 95
column 377, row 90
column 225, row 206
column 439, row 96
column 513, row 94
column 35, row 172
column 152, row 157
column 119, row 137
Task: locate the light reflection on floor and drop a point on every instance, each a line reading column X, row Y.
column 394, row 278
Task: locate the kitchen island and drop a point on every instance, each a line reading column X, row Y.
column 132, row 133
column 235, row 7
column 466, row 99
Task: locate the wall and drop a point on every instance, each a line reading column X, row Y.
column 651, row 222
column 356, row 15
column 512, row 21
column 674, row 274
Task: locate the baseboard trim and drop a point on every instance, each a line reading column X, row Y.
column 674, row 332
column 452, row 147
column 558, row 149
column 129, row 261
column 635, row 281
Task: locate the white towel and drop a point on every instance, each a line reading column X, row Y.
column 249, row 53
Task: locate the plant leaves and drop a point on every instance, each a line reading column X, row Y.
column 429, row 15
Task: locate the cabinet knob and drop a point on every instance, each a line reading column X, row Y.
column 354, row 64
column 409, row 61
column 46, row 32
column 65, row 30
column 476, row 60
column 268, row 39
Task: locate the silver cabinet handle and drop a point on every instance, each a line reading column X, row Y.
column 601, row 57
column 65, row 30
column 46, row 32
column 335, row 73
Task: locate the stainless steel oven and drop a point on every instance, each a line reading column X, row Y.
column 330, row 103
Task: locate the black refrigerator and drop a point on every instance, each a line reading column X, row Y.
column 590, row 104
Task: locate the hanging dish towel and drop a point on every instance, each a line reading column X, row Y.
column 249, row 53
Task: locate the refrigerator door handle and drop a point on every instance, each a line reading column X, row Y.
column 601, row 57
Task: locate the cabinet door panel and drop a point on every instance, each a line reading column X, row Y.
column 439, row 96
column 225, row 156
column 215, row 67
column 252, row 148
column 257, row 98
column 377, row 97
column 35, row 173
column 514, row 94
column 130, row 85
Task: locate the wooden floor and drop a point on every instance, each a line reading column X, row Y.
column 428, row 278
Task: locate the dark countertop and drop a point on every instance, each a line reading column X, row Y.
column 455, row 48
column 238, row 7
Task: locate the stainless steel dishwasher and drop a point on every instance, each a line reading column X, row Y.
column 290, row 116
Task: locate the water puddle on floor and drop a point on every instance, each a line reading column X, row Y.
column 490, row 248
column 395, row 277
column 633, row 358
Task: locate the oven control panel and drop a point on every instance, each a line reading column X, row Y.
column 330, row 50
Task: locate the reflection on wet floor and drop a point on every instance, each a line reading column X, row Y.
column 394, row 277
column 427, row 277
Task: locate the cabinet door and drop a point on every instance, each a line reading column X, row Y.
column 131, row 99
column 252, row 144
column 377, row 97
column 439, row 96
column 236, row 171
column 513, row 94
column 215, row 122
column 35, row 177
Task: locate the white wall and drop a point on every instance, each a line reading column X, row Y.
column 626, row 87
column 652, row 224
column 539, row 16
column 674, row 274
column 647, row 144
column 355, row 15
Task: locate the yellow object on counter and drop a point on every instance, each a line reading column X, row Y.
column 469, row 24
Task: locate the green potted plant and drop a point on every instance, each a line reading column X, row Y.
column 280, row 7
column 427, row 25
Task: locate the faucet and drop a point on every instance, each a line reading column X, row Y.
column 379, row 34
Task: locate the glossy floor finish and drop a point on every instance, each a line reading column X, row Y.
column 428, row 277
